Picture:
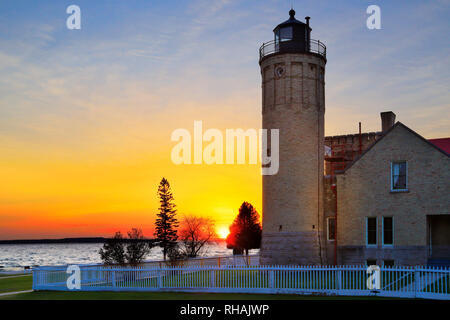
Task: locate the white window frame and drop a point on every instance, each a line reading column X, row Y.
column 328, row 229
column 367, row 232
column 392, row 176
column 382, row 232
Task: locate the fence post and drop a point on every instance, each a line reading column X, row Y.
column 272, row 279
column 416, row 281
column 33, row 272
column 113, row 279
column 159, row 279
column 339, row 279
column 213, row 278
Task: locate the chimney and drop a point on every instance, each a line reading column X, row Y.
column 307, row 20
column 387, row 120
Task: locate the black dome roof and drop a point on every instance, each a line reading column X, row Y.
column 290, row 21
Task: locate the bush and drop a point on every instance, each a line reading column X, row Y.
column 121, row 251
column 113, row 251
column 176, row 256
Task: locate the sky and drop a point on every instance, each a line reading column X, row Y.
column 86, row 115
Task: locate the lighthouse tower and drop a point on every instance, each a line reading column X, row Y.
column 293, row 101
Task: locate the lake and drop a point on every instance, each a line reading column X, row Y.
column 14, row 257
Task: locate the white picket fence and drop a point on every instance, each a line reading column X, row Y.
column 412, row 282
column 219, row 261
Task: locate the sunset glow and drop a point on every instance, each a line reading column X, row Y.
column 223, row 232
column 86, row 115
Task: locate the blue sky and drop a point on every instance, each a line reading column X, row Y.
column 86, row 115
column 210, row 50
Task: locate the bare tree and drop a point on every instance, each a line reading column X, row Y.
column 195, row 232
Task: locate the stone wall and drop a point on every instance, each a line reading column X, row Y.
column 364, row 190
column 300, row 248
column 294, row 103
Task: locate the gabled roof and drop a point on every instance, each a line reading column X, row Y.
column 398, row 124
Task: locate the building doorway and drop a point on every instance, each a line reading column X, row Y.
column 438, row 237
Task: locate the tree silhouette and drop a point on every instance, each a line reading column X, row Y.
column 245, row 232
column 113, row 251
column 137, row 247
column 195, row 233
column 166, row 224
column 119, row 250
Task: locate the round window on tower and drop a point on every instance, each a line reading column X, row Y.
column 279, row 72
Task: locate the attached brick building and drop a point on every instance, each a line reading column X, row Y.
column 393, row 200
column 378, row 197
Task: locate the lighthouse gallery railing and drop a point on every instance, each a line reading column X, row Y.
column 272, row 47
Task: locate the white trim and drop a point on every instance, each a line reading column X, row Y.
column 406, row 177
column 382, row 233
column 376, row 233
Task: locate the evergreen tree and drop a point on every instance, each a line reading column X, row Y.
column 245, row 232
column 113, row 251
column 166, row 223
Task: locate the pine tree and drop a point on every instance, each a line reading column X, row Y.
column 166, row 223
column 245, row 232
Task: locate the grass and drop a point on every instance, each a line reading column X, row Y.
column 225, row 279
column 25, row 283
column 396, row 281
column 202, row 279
column 4, row 275
column 52, row 295
column 16, row 284
column 261, row 279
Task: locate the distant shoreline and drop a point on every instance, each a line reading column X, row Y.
column 50, row 241
column 70, row 240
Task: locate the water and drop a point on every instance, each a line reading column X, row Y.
column 14, row 257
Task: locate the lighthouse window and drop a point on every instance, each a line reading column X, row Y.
column 285, row 33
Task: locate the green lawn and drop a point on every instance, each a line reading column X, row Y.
column 25, row 283
column 16, row 284
column 260, row 279
column 52, row 295
column 3, row 275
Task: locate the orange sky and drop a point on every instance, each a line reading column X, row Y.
column 99, row 187
column 86, row 116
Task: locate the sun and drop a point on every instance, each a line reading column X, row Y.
column 223, row 232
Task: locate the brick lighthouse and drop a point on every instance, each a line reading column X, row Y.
column 293, row 101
